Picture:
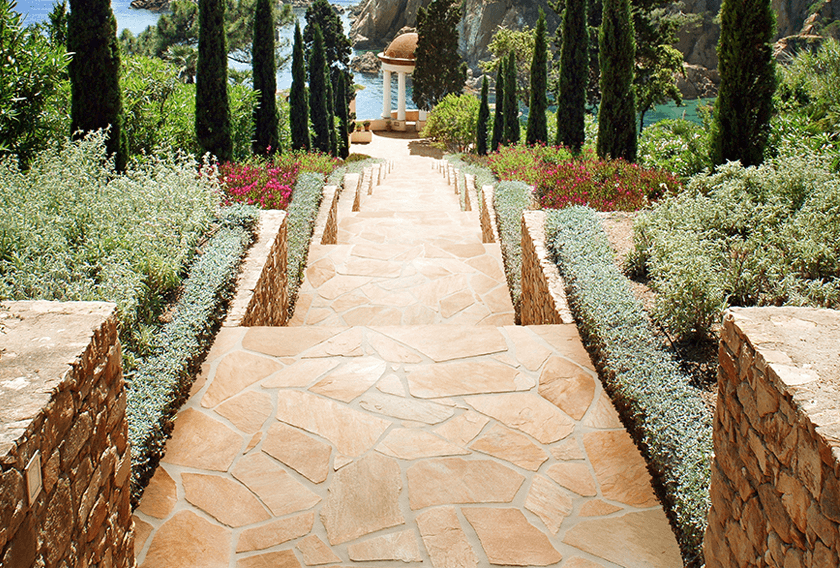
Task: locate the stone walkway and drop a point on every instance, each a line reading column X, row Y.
column 357, row 442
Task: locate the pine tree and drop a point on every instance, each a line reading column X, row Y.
column 574, row 70
column 617, row 112
column 95, row 73
column 438, row 68
column 212, row 109
column 511, row 102
column 318, row 108
column 331, row 114
column 537, row 130
column 499, row 117
column 747, row 82
column 483, row 118
column 343, row 114
column 298, row 104
column 266, row 137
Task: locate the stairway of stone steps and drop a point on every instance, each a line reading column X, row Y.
column 401, row 420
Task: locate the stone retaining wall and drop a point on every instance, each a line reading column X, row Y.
column 776, row 473
column 261, row 290
column 326, row 224
column 543, row 290
column 63, row 422
column 489, row 230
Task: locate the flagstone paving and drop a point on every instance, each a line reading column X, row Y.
column 378, row 445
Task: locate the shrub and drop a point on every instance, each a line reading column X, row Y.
column 73, row 229
column 452, row 122
column 663, row 413
column 162, row 380
column 763, row 235
column 523, row 163
column 678, row 146
column 511, row 198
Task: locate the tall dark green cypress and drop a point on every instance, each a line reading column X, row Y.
column 617, row 112
column 318, row 107
column 744, row 104
column 343, row 114
column 483, row 119
column 574, row 72
column 212, row 109
column 537, row 130
column 95, row 75
column 298, row 103
column 266, row 137
column 499, row 117
column 511, row 102
column 331, row 114
column 438, row 69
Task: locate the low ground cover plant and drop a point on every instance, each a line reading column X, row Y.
column 665, row 415
column 766, row 235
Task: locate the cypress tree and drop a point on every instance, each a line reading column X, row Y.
column 298, row 104
column 212, row 109
column 499, row 117
column 318, row 108
column 617, row 112
column 747, row 82
column 343, row 114
column 537, row 130
column 95, row 75
column 511, row 102
column 331, row 114
column 266, row 137
column 483, row 118
column 574, row 71
column 438, row 68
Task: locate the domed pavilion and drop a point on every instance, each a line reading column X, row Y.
column 398, row 58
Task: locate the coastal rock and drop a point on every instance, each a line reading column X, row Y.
column 366, row 63
column 153, row 5
column 698, row 81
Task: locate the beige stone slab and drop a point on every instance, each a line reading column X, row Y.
column 347, row 344
column 226, row 340
column 530, row 351
column 431, row 292
column 566, row 340
column 487, row 264
column 619, row 467
column 412, row 444
column 567, row 386
column 235, row 372
column 509, row 539
column 551, row 504
column 201, row 442
column 280, row 492
column 379, row 252
column 400, row 545
column 392, row 384
column 463, row 428
column 453, row 304
column 390, row 350
column 319, row 272
column 635, row 540
column 364, row 498
column 575, row 477
column 316, row 552
column 351, row 431
column 381, row 297
column 460, row 378
column 142, row 530
column 526, row 412
column 350, row 379
column 597, row 508
column 602, row 414
column 568, row 449
column 372, row 315
column 341, row 284
column 481, row 283
column 160, row 495
column 445, row 481
column 445, row 343
column 445, row 540
column 418, row 314
column 405, row 408
column 580, row 562
column 278, row 559
column 464, row 250
column 223, row 499
column 275, row 533
column 248, row 411
column 512, row 447
column 299, row 451
column 370, row 267
column 300, row 374
column 498, row 301
column 286, row 342
column 186, row 541
column 348, row 301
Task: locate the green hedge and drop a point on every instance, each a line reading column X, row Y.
column 511, row 199
column 162, row 381
column 664, row 414
column 300, row 223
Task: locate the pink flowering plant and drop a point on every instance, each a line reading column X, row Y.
column 269, row 184
column 561, row 181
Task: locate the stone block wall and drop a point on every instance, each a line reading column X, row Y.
column 62, row 419
column 261, row 290
column 543, row 290
column 776, row 474
column 487, row 217
column 326, row 224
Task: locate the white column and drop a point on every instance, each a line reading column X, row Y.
column 401, row 91
column 386, row 94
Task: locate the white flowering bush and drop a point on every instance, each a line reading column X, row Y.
column 678, row 146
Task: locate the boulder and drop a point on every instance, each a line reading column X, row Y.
column 366, row 63
column 153, row 5
column 698, row 82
